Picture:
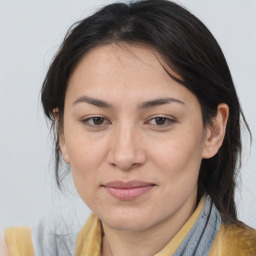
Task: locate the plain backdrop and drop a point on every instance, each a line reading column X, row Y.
column 30, row 34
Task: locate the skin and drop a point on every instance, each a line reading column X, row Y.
column 127, row 142
column 3, row 246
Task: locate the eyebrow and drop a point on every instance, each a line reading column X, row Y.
column 143, row 105
column 93, row 101
column 158, row 102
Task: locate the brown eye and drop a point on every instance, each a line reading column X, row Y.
column 96, row 121
column 161, row 120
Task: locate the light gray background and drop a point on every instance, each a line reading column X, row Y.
column 30, row 33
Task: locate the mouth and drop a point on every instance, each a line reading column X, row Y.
column 128, row 190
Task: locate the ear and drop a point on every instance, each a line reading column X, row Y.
column 215, row 133
column 60, row 135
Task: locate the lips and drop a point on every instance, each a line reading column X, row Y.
column 128, row 190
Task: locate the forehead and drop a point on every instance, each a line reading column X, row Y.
column 124, row 70
column 113, row 58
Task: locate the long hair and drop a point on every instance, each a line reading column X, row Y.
column 189, row 49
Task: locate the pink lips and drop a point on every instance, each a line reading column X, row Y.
column 128, row 190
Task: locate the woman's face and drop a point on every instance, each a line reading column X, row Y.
column 134, row 138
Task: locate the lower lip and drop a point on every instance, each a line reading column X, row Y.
column 128, row 193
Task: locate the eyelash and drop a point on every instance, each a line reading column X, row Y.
column 93, row 118
column 167, row 121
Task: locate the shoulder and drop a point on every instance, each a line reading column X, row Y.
column 241, row 238
column 19, row 240
column 3, row 246
column 236, row 239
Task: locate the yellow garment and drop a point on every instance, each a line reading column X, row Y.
column 234, row 240
column 231, row 240
column 19, row 241
column 89, row 238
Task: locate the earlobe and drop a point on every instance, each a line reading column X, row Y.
column 215, row 133
column 60, row 135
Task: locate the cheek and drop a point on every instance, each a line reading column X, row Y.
column 84, row 149
column 178, row 162
column 85, row 160
column 178, row 156
column 86, row 157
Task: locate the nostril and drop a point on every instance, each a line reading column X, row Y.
column 125, row 167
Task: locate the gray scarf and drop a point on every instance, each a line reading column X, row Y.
column 200, row 238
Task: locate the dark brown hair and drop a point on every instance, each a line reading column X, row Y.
column 185, row 45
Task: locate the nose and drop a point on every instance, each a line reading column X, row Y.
column 126, row 148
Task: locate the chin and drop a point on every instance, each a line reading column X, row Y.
column 128, row 225
column 128, row 220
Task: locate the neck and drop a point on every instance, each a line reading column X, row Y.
column 144, row 242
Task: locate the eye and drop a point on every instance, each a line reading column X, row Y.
column 96, row 121
column 161, row 121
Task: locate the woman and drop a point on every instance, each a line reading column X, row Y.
column 148, row 119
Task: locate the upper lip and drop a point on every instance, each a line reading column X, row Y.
column 127, row 184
